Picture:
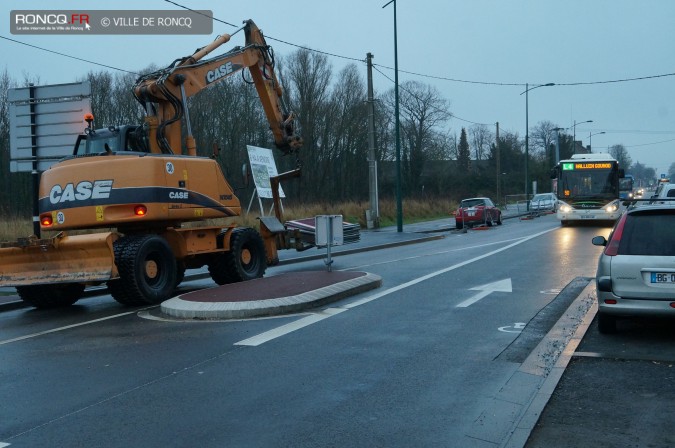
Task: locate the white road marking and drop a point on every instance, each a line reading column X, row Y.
column 68, row 327
column 396, row 260
column 517, row 328
column 3, row 444
column 274, row 333
column 554, row 291
column 309, row 320
column 498, row 286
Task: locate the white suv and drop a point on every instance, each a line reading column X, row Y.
column 636, row 271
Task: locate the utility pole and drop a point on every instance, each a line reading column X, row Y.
column 498, row 161
column 374, row 219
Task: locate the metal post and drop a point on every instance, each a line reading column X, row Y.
column 497, row 159
column 527, row 152
column 557, row 146
column 372, row 161
column 329, row 232
column 399, row 202
column 574, row 137
column 35, row 174
column 527, row 137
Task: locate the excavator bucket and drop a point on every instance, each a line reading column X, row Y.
column 61, row 259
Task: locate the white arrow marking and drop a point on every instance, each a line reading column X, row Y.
column 498, row 286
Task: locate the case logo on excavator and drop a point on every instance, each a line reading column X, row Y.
column 98, row 189
column 220, row 72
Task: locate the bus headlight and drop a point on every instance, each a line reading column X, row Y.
column 565, row 208
column 612, row 207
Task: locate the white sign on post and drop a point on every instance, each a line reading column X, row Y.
column 262, row 168
column 327, row 233
column 328, row 230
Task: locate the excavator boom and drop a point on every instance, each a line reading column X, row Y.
column 168, row 89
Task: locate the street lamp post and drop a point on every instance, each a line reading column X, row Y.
column 399, row 202
column 574, row 134
column 527, row 138
column 557, row 144
column 590, row 142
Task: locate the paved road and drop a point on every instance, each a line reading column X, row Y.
column 608, row 382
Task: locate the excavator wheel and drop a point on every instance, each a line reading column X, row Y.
column 147, row 269
column 51, row 296
column 245, row 260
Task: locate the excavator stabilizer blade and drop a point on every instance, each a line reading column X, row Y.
column 62, row 259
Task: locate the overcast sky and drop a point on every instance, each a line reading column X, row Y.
column 470, row 50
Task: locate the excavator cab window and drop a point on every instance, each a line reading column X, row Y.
column 112, row 139
column 137, row 139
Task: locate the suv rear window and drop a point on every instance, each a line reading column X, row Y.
column 649, row 233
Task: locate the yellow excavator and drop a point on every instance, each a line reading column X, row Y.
column 138, row 185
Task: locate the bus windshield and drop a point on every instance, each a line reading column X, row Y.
column 626, row 184
column 596, row 183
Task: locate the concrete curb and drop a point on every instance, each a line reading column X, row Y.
column 537, row 366
column 514, row 410
column 185, row 309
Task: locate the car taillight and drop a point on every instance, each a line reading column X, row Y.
column 613, row 246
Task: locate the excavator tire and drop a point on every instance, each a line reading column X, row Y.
column 147, row 269
column 245, row 260
column 51, row 296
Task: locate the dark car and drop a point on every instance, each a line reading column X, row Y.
column 477, row 211
column 636, row 271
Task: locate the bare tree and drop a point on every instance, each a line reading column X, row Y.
column 346, row 141
column 620, row 153
column 542, row 138
column 422, row 111
column 481, row 139
column 101, row 92
column 307, row 77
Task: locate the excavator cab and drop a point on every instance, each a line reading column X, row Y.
column 112, row 139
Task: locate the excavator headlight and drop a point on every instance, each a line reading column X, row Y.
column 140, row 210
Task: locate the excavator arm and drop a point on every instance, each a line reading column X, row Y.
column 164, row 93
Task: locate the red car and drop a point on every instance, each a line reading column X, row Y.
column 477, row 211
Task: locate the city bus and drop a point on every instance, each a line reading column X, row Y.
column 626, row 185
column 588, row 188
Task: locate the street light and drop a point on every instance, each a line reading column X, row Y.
column 557, row 144
column 574, row 134
column 527, row 138
column 590, row 145
column 399, row 202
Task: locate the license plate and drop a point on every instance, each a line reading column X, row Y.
column 587, row 217
column 663, row 277
column 471, row 213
